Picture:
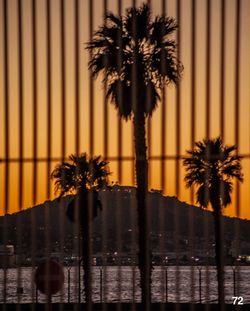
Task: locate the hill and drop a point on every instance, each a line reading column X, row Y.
column 170, row 218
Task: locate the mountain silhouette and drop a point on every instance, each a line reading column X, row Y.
column 119, row 216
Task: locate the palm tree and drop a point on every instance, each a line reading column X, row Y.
column 137, row 57
column 212, row 166
column 82, row 176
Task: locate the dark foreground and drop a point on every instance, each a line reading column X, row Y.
column 121, row 307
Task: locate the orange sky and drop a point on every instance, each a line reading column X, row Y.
column 170, row 135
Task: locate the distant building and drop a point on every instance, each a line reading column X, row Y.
column 128, row 189
column 7, row 256
column 239, row 248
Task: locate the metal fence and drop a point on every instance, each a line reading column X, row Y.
column 51, row 107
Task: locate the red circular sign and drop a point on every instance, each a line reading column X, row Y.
column 49, row 277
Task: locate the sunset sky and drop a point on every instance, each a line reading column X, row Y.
column 185, row 45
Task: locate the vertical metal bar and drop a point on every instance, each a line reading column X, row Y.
column 120, row 98
column 34, row 198
column 222, row 69
column 133, row 287
column 68, row 284
column 200, row 300
column 105, row 101
column 62, row 5
column 178, row 107
column 20, row 99
column 166, row 284
column 134, row 246
column 6, row 135
column 222, row 93
column 21, row 146
column 134, row 97
column 220, row 258
column 101, row 285
column 79, row 254
column 77, row 78
column 77, row 144
column 163, row 168
column 134, row 2
column 208, row 65
column 149, row 127
column 163, row 117
column 147, row 211
column 237, row 94
column 193, row 133
column 193, row 78
column 177, row 163
column 208, row 120
column 236, row 122
column 234, row 283
column 119, row 144
column 47, row 221
column 106, row 154
column 34, row 88
column 91, row 86
column 63, row 83
column 91, row 148
column 133, row 177
column 49, row 101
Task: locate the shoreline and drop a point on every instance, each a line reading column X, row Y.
column 135, row 266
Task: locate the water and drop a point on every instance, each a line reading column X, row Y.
column 122, row 284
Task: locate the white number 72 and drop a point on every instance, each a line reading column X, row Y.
column 237, row 300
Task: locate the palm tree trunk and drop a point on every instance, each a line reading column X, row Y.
column 86, row 224
column 87, row 278
column 219, row 254
column 141, row 167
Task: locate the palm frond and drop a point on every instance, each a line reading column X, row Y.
column 203, row 196
column 226, row 189
column 233, row 170
column 99, row 41
column 137, row 22
column 161, row 28
column 150, row 96
column 228, row 151
column 64, row 176
column 166, row 64
column 195, row 177
column 121, row 96
column 114, row 19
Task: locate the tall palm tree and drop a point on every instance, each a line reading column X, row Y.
column 211, row 166
column 137, row 57
column 82, row 176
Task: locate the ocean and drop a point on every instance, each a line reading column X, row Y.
column 121, row 284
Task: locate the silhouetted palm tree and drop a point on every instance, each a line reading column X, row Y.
column 82, row 176
column 137, row 57
column 212, row 166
